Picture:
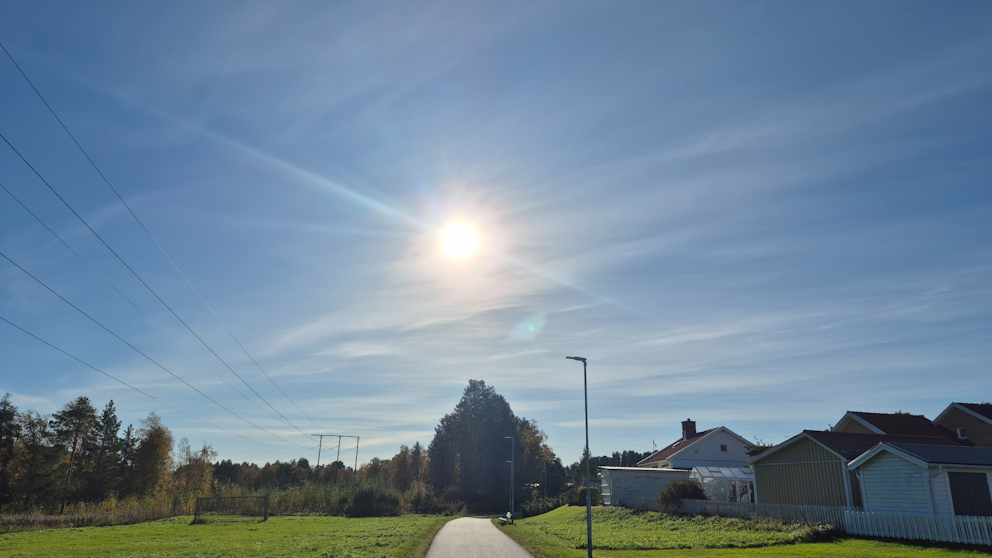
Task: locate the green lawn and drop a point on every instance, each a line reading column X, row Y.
column 337, row 537
column 621, row 533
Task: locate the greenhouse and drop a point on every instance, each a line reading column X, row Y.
column 726, row 484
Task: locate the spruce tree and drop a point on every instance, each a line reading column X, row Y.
column 103, row 456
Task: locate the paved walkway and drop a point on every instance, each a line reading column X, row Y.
column 471, row 537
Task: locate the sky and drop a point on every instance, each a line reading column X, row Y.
column 755, row 215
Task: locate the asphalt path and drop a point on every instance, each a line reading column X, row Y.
column 471, row 537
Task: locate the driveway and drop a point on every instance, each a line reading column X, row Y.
column 471, row 537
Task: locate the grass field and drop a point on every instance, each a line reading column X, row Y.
column 315, row 536
column 621, row 533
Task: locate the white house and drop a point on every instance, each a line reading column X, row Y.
column 717, row 447
column 898, row 477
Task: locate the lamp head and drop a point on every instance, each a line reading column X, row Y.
column 582, row 359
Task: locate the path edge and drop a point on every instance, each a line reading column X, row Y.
column 425, row 544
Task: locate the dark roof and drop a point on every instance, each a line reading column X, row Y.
column 852, row 445
column 897, row 424
column 947, row 455
column 984, row 409
column 666, row 452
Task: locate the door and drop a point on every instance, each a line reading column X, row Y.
column 970, row 494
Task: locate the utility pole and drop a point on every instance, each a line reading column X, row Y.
column 338, row 458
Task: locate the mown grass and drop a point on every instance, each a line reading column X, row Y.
column 622, row 533
column 283, row 536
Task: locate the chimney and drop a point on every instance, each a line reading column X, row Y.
column 688, row 429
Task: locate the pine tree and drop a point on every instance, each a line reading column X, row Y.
column 9, row 432
column 129, row 443
column 72, row 430
column 36, row 464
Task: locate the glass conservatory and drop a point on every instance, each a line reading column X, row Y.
column 725, row 484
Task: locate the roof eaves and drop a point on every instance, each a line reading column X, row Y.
column 973, row 413
column 856, row 416
column 790, row 441
column 880, row 447
column 960, row 407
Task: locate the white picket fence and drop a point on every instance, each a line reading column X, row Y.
column 831, row 515
column 943, row 528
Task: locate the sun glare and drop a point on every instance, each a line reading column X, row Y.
column 459, row 241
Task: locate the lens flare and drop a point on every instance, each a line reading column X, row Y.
column 460, row 241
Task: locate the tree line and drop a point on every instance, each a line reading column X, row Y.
column 78, row 456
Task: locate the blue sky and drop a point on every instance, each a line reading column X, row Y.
column 759, row 215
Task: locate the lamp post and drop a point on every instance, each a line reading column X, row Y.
column 585, row 390
column 512, row 467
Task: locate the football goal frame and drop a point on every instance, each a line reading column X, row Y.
column 234, row 506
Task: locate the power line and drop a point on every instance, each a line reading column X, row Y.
column 138, row 277
column 153, row 239
column 150, row 359
column 131, row 302
column 146, row 394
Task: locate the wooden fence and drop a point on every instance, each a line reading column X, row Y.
column 832, row 515
column 943, row 528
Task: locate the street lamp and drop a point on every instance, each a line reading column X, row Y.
column 511, row 462
column 585, row 390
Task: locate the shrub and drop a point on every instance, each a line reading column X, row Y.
column 539, row 505
column 672, row 495
column 372, row 501
column 578, row 497
column 816, row 533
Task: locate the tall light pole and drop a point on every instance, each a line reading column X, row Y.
column 512, row 467
column 585, row 390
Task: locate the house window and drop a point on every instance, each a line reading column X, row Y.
column 962, row 433
column 723, row 448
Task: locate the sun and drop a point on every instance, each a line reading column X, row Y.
column 460, row 241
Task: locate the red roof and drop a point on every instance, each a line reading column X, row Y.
column 897, row 424
column 666, row 452
column 852, row 445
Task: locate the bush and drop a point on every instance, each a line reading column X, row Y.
column 810, row 533
column 372, row 501
column 672, row 495
column 578, row 497
column 539, row 505
column 419, row 499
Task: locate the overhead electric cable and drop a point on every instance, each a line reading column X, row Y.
column 152, row 237
column 137, row 350
column 107, row 281
column 138, row 277
column 146, row 394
